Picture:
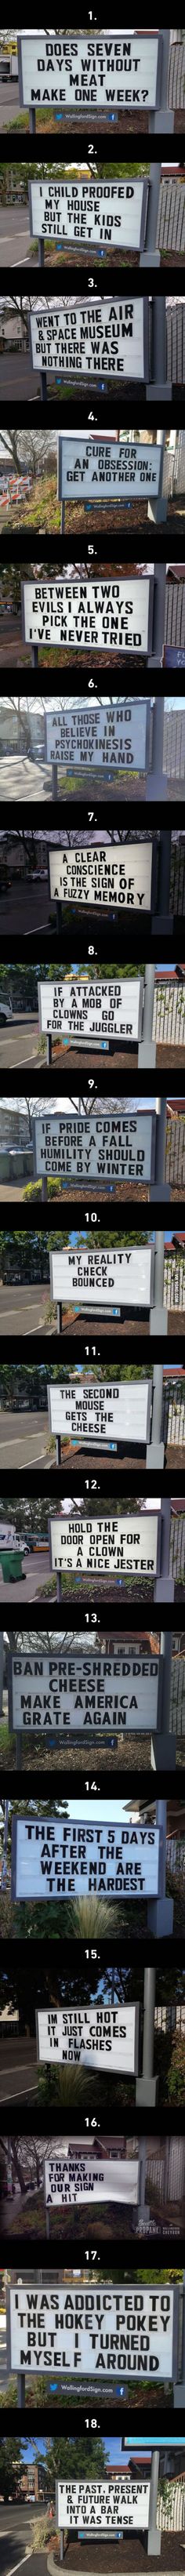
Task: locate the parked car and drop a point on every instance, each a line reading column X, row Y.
column 6, row 1012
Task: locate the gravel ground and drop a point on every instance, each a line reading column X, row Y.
column 128, row 2558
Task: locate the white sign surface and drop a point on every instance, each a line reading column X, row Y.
column 97, row 1278
column 83, row 338
column 77, row 2178
column 103, row 875
column 89, row 616
column 66, row 1857
column 110, row 2504
column 103, row 71
column 109, row 735
column 103, row 1148
column 109, row 212
column 105, row 1546
column 79, row 1008
column 96, row 2331
column 101, row 1412
column 97, row 468
column 97, row 2035
column 76, row 1692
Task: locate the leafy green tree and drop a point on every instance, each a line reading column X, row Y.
column 11, row 2465
column 81, row 2459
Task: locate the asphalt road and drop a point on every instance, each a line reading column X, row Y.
column 18, row 378
column 19, row 1044
column 31, row 1582
column 23, row 1310
column 9, row 103
column 24, row 905
column 18, row 2071
column 23, row 1439
column 14, row 236
column 23, row 777
column 16, row 2536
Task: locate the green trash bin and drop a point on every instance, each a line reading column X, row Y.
column 11, row 1565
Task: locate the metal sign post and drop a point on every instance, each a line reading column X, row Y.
column 158, row 1322
column 158, row 379
column 160, row 1907
column 1, row 1672
column 164, row 1586
column 153, row 2535
column 147, row 2084
column 163, row 1745
column 157, row 509
column 160, row 1150
column 157, row 784
column 179, row 2387
column 155, row 1449
column 161, row 118
column 163, row 917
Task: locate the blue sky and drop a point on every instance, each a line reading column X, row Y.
column 113, row 2447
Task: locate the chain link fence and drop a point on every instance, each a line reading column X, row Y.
column 175, row 1149
column 171, row 217
column 169, row 1011
column 173, row 1412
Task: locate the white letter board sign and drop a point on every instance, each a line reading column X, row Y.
column 113, row 734
column 101, row 1412
column 105, row 1546
column 96, row 2035
column 108, row 213
column 83, row 1008
column 96, row 2331
column 110, row 2504
column 96, row 1278
column 103, row 2505
column 89, row 616
column 76, row 2178
column 91, row 468
column 101, row 874
column 106, row 337
column 54, row 1857
column 100, row 1148
column 102, row 70
column 76, row 1693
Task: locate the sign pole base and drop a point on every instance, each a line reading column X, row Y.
column 147, row 1055
column 163, row 1753
column 179, row 2394
column 163, row 921
column 162, row 1187
column 147, row 2088
column 164, row 1588
column 158, row 1319
column 157, row 786
column 154, row 2543
column 21, row 2388
column 157, row 510
column 156, row 122
column 147, row 255
column 160, row 1916
column 155, row 1455
column 160, row 389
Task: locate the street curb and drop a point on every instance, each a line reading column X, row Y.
column 52, row 2563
